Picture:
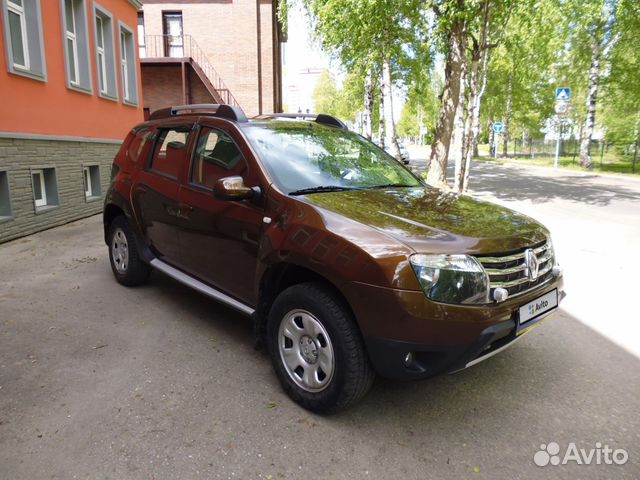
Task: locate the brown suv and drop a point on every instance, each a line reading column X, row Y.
column 346, row 261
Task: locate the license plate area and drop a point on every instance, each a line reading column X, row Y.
column 534, row 311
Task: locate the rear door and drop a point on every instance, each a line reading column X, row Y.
column 220, row 238
column 155, row 196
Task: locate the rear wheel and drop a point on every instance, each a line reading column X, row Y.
column 316, row 349
column 124, row 257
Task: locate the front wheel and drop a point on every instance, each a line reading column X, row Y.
column 316, row 349
column 127, row 266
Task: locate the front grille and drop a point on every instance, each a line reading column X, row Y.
column 509, row 271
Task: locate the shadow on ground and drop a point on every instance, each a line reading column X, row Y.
column 526, row 184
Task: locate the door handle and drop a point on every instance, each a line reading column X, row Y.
column 184, row 209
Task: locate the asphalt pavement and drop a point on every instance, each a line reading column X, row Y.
column 99, row 381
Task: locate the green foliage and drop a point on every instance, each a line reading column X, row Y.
column 283, row 16
column 422, row 107
column 536, row 46
column 621, row 111
column 343, row 102
column 325, row 95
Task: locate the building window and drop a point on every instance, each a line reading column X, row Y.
column 76, row 45
column 173, row 35
column 91, row 179
column 128, row 69
column 105, row 54
column 5, row 197
column 39, row 188
column 142, row 44
column 45, row 188
column 22, row 22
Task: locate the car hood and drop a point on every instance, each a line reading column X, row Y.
column 433, row 221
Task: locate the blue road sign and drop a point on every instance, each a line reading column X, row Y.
column 498, row 127
column 563, row 94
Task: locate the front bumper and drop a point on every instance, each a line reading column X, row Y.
column 446, row 342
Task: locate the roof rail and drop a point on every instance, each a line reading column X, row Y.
column 320, row 118
column 216, row 110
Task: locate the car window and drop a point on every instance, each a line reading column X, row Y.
column 138, row 143
column 300, row 157
column 170, row 152
column 216, row 156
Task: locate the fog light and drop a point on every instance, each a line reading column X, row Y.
column 556, row 271
column 408, row 360
column 500, row 294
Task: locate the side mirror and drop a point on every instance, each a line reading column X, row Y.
column 232, row 188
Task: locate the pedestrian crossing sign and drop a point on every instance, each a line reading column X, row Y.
column 563, row 94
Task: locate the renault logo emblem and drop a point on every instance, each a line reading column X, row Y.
column 532, row 264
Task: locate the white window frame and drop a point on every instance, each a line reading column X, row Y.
column 107, row 56
column 91, row 181
column 6, row 210
column 128, row 65
column 31, row 35
column 77, row 46
column 86, row 176
column 71, row 35
column 101, row 59
column 19, row 10
column 39, row 202
column 124, row 68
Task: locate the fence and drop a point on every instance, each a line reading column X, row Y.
column 602, row 152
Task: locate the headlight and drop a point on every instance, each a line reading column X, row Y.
column 451, row 278
column 552, row 251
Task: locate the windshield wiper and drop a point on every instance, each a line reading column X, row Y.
column 393, row 185
column 322, row 188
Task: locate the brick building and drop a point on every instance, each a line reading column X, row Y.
column 70, row 90
column 204, row 51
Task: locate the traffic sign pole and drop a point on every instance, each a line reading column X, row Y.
column 497, row 129
column 563, row 95
column 555, row 162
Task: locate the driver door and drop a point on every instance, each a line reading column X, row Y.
column 220, row 238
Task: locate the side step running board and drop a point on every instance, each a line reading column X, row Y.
column 201, row 287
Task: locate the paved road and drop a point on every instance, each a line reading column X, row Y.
column 158, row 382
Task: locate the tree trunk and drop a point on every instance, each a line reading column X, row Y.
column 391, row 140
column 367, row 117
column 475, row 128
column 506, row 132
column 450, row 97
column 381, row 120
column 477, row 89
column 473, row 114
column 459, row 125
column 592, row 101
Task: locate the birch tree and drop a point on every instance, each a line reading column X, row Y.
column 601, row 38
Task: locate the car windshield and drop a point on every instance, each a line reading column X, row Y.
column 303, row 157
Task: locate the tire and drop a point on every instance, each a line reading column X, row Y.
column 316, row 349
column 124, row 257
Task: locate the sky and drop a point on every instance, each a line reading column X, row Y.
column 302, row 54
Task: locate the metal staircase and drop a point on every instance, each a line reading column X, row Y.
column 184, row 49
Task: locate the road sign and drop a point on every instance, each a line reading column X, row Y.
column 563, row 94
column 498, row 127
column 562, row 107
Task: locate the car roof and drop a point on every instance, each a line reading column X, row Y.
column 235, row 115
